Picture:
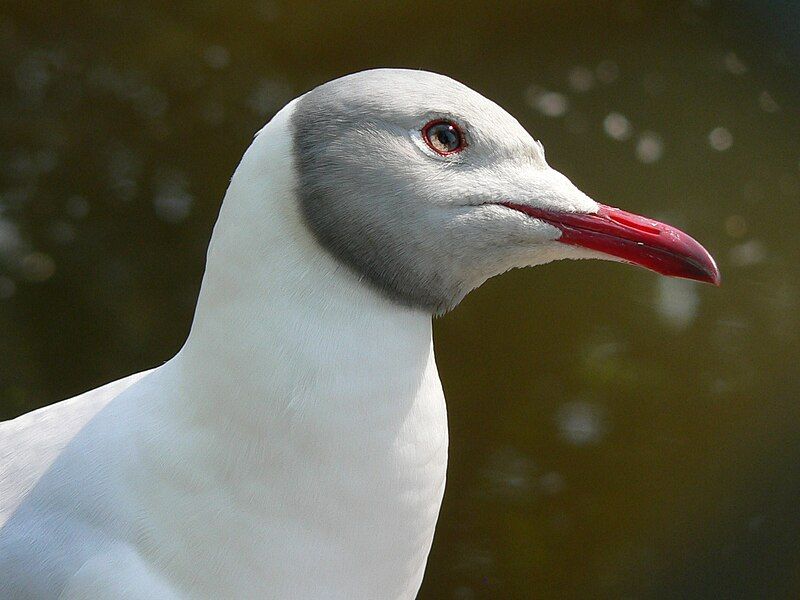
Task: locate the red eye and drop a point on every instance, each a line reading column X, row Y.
column 443, row 137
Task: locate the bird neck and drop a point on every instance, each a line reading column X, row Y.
column 281, row 327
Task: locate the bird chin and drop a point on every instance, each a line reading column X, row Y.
column 553, row 251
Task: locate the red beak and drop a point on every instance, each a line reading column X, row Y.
column 633, row 239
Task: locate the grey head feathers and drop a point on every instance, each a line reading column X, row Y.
column 421, row 228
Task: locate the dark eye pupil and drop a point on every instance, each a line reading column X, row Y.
column 446, row 136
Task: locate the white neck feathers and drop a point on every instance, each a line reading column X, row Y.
column 279, row 317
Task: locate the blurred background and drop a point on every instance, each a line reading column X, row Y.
column 614, row 434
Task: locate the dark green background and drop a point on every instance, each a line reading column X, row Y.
column 614, row 434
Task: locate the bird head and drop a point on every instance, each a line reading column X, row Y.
column 426, row 189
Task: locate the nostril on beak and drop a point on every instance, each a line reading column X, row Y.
column 627, row 219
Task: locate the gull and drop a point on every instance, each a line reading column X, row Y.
column 296, row 445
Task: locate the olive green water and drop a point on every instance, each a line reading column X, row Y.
column 614, row 434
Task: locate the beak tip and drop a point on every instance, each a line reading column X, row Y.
column 713, row 276
column 716, row 279
column 698, row 265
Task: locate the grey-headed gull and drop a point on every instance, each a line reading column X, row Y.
column 296, row 446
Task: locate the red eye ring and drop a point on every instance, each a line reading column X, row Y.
column 443, row 137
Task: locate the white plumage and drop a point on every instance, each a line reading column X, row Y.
column 269, row 471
